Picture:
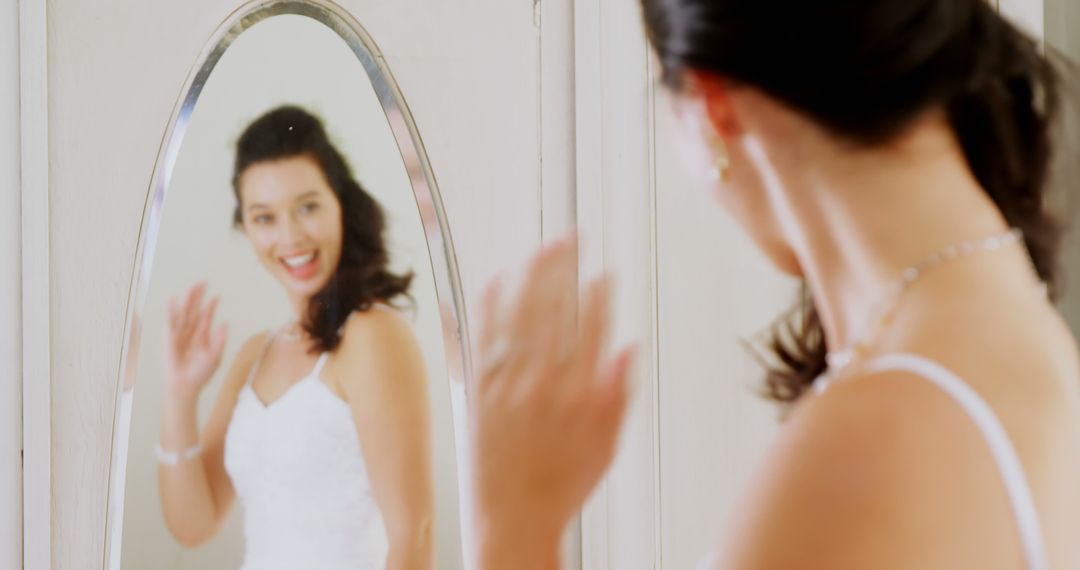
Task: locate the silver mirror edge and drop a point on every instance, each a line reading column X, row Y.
column 440, row 246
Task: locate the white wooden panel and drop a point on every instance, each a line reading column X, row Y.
column 614, row 173
column 35, row 283
column 589, row 212
column 629, row 252
column 556, row 117
column 10, row 296
column 468, row 71
column 1028, row 14
column 555, row 24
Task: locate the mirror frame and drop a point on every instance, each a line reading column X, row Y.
column 440, row 245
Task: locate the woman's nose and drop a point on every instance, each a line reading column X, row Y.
column 292, row 231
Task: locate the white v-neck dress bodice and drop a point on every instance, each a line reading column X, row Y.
column 298, row 471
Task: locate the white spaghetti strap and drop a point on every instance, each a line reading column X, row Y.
column 1004, row 454
column 319, row 364
column 258, row 360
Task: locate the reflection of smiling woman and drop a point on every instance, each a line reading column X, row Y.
column 320, row 428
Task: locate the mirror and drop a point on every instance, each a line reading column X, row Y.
column 325, row 435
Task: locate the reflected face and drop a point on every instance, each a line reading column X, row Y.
column 292, row 218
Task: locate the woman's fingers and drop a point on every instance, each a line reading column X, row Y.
column 612, row 392
column 550, row 274
column 217, row 342
column 490, row 332
column 206, row 320
column 171, row 316
column 543, row 324
column 513, row 342
column 171, row 336
column 554, row 325
column 491, row 340
column 189, row 311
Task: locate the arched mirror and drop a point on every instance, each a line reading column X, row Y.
column 290, row 385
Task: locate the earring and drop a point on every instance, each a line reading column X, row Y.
column 719, row 172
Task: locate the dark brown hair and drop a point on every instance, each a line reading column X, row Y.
column 864, row 69
column 362, row 277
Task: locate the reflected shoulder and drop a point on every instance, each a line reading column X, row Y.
column 248, row 352
column 379, row 344
column 252, row 346
column 376, row 328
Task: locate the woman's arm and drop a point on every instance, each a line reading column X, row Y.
column 196, row 494
column 380, row 369
column 545, row 409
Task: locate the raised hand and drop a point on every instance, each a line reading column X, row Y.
column 546, row 407
column 192, row 351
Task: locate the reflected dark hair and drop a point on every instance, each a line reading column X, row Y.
column 864, row 70
column 362, row 277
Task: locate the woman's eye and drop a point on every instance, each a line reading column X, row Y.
column 309, row 207
column 262, row 219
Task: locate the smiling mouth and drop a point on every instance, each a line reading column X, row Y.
column 301, row 266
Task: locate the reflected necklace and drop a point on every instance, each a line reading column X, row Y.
column 291, row 332
column 838, row 360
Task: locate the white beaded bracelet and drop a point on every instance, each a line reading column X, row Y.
column 175, row 457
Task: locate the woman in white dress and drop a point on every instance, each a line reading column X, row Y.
column 893, row 154
column 321, row 427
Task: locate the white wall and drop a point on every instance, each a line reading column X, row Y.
column 1028, row 14
column 10, row 295
column 468, row 71
column 283, row 60
column 1063, row 39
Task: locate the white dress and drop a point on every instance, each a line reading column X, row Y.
column 299, row 473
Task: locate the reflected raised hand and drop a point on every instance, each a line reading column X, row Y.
column 546, row 408
column 192, row 351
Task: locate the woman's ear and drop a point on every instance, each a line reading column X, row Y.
column 703, row 112
column 714, row 94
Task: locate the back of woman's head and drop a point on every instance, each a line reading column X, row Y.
column 362, row 277
column 866, row 69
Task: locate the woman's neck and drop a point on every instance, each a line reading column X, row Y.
column 299, row 306
column 859, row 217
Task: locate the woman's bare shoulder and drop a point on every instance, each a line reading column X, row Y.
column 376, row 328
column 378, row 343
column 244, row 359
column 879, row 462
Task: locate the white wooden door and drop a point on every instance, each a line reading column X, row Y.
column 10, row 295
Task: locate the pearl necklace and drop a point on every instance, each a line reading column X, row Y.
column 290, row 333
column 840, row 359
